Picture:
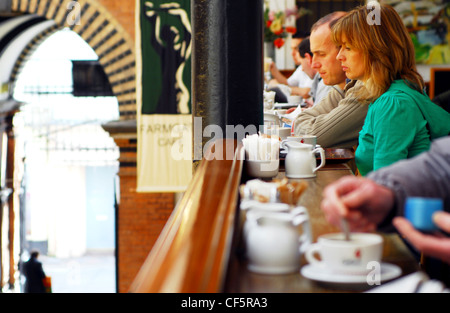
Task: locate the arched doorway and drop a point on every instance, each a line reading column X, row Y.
column 30, row 22
column 69, row 169
column 99, row 29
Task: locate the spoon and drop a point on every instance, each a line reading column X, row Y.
column 344, row 222
column 345, row 229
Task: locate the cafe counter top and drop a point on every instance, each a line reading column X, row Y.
column 200, row 249
column 395, row 252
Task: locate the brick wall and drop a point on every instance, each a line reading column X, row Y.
column 141, row 219
column 123, row 11
column 141, row 216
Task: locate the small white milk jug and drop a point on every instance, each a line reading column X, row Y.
column 273, row 241
column 300, row 160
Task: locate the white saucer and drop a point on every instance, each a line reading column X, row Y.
column 388, row 272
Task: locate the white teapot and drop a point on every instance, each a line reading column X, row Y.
column 300, row 160
column 274, row 244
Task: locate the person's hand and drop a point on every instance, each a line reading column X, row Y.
column 437, row 246
column 360, row 200
column 309, row 102
column 290, row 110
column 274, row 69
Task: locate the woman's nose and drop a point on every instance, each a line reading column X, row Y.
column 340, row 55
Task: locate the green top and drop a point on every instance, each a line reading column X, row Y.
column 400, row 124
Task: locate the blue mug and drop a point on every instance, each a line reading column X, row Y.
column 419, row 211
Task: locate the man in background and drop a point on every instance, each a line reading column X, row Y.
column 299, row 83
column 338, row 118
column 34, row 273
column 318, row 89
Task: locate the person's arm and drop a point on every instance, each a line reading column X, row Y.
column 303, row 92
column 392, row 139
column 277, row 75
column 336, row 120
column 427, row 175
column 376, row 199
column 41, row 271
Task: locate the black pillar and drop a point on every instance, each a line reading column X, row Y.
column 227, row 67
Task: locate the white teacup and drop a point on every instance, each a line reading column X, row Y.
column 292, row 138
column 294, row 99
column 347, row 257
column 308, row 139
column 262, row 168
column 282, row 132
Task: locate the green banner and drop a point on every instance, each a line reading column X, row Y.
column 166, row 47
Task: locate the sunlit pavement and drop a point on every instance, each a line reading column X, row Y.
column 92, row 273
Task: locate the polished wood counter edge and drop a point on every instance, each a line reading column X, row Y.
column 192, row 252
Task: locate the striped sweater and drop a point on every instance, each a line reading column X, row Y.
column 336, row 120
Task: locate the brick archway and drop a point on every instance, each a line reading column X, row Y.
column 112, row 44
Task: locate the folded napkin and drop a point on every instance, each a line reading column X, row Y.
column 259, row 190
column 264, row 148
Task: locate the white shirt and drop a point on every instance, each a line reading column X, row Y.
column 300, row 79
column 318, row 90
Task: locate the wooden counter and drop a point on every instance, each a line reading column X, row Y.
column 193, row 250
column 199, row 249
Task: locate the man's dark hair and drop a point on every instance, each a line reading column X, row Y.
column 34, row 254
column 304, row 47
column 301, row 34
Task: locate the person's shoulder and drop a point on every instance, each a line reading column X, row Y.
column 399, row 92
column 351, row 94
column 393, row 101
column 297, row 72
column 334, row 96
column 352, row 87
column 400, row 88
